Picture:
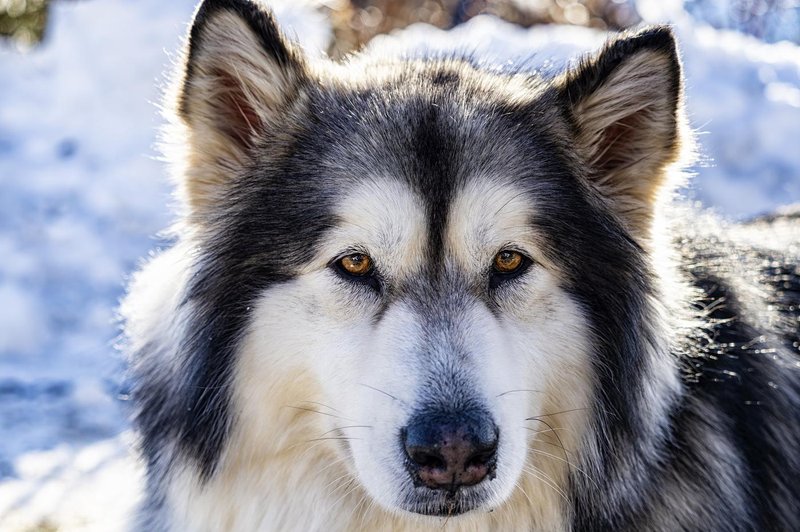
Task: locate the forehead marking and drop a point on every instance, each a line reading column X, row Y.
column 485, row 215
column 385, row 218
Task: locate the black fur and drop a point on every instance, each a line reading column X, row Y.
column 748, row 367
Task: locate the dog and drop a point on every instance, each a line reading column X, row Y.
column 417, row 294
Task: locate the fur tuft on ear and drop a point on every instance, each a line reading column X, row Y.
column 625, row 104
column 240, row 79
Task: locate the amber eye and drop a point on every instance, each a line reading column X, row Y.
column 356, row 264
column 508, row 261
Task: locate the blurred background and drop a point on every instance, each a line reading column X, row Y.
column 83, row 194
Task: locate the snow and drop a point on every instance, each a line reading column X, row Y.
column 91, row 488
column 83, row 196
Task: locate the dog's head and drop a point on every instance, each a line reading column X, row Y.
column 429, row 271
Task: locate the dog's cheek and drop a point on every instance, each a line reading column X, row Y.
column 548, row 334
column 347, row 368
column 272, row 381
column 289, row 348
column 339, row 344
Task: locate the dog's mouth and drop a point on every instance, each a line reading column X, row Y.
column 444, row 504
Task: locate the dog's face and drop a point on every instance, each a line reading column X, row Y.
column 408, row 256
column 436, row 335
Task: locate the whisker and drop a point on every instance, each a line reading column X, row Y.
column 340, row 478
column 315, row 443
column 381, row 391
column 306, row 409
column 518, row 484
column 322, row 405
column 450, row 507
column 554, row 457
column 345, row 494
column 354, row 511
column 346, row 427
column 366, row 512
column 306, row 450
column 558, row 438
column 332, row 438
column 552, row 444
column 547, row 481
column 536, row 418
column 542, row 431
column 519, row 390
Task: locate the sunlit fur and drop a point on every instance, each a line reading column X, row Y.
column 640, row 378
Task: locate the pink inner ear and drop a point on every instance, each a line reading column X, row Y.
column 235, row 115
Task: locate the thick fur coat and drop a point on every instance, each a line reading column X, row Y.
column 417, row 294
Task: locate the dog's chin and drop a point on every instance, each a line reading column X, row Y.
column 445, row 504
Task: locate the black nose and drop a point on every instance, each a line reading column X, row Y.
column 447, row 451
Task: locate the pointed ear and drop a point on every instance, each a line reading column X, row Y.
column 240, row 78
column 625, row 104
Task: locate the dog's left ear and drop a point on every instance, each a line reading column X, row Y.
column 625, row 105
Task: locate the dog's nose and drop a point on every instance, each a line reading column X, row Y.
column 450, row 451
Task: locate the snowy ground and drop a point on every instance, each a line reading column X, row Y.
column 82, row 196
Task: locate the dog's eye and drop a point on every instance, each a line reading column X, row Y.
column 508, row 261
column 358, row 268
column 357, row 264
column 507, row 265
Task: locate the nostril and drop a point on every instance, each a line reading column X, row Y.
column 481, row 458
column 427, row 459
column 486, row 449
column 450, row 454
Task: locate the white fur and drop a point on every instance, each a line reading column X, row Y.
column 313, row 360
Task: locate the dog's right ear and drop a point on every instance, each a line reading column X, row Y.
column 241, row 76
